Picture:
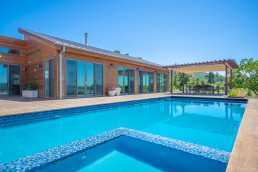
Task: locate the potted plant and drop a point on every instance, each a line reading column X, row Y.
column 30, row 90
column 112, row 91
column 118, row 90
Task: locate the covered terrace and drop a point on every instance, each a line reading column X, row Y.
column 211, row 66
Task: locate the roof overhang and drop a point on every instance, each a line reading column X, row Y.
column 73, row 49
column 211, row 66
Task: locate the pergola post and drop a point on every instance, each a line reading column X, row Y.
column 226, row 79
column 231, row 81
column 183, row 82
column 171, row 83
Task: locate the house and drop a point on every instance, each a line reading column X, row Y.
column 63, row 68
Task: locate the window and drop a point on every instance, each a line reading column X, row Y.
column 9, row 51
column 83, row 78
column 161, row 81
column 146, row 81
column 125, row 80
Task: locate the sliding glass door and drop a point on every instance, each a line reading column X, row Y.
column 125, row 79
column 71, row 78
column 49, row 78
column 10, row 79
column 99, row 79
column 120, row 78
column 81, row 81
column 151, row 88
column 90, row 79
column 161, row 81
column 83, row 78
column 131, row 81
column 146, row 81
column 3, row 79
column 14, row 80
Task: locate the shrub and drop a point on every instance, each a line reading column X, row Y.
column 233, row 93
column 30, row 86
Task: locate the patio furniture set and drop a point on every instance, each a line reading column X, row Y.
column 204, row 89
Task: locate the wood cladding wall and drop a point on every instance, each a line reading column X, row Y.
column 36, row 54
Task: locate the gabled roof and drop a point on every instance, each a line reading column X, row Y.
column 71, row 44
column 204, row 66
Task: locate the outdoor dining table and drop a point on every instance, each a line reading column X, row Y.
column 204, row 88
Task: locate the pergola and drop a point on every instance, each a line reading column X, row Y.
column 212, row 66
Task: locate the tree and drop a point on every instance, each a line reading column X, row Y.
column 127, row 54
column 211, row 78
column 117, row 51
column 246, row 76
column 175, row 82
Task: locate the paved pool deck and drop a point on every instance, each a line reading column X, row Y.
column 244, row 156
column 20, row 105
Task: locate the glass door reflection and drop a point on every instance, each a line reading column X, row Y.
column 49, row 78
column 71, row 78
column 3, row 79
column 81, row 80
column 90, row 79
column 99, row 79
column 14, row 80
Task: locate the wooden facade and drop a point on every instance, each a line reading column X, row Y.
column 35, row 50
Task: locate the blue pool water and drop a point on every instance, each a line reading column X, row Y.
column 204, row 122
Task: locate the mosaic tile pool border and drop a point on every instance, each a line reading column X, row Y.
column 45, row 158
column 43, row 115
column 28, row 117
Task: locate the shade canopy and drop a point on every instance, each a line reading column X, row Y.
column 211, row 66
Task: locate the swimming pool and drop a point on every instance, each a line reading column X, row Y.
column 213, row 123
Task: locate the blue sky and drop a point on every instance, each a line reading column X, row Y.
column 162, row 31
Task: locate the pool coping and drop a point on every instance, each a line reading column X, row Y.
column 43, row 159
column 244, row 156
column 28, row 105
column 51, row 105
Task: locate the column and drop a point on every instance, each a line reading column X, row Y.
column 183, row 83
column 231, row 81
column 171, row 81
column 226, row 79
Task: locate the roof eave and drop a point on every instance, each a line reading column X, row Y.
column 58, row 46
column 105, row 56
column 37, row 38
